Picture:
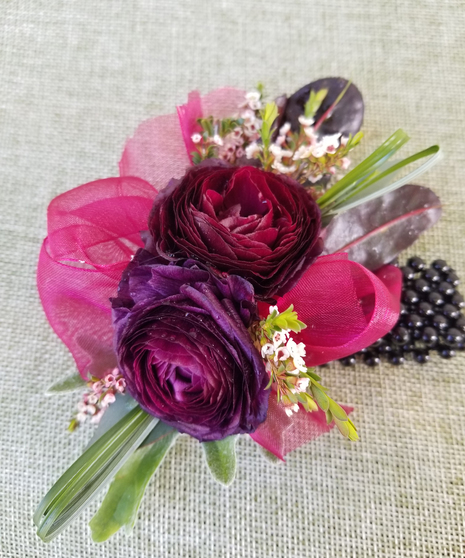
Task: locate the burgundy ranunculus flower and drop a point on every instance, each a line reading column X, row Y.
column 243, row 221
column 183, row 347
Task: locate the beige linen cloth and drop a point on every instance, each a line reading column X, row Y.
column 76, row 78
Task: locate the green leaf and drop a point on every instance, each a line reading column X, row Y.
column 221, row 459
column 337, row 411
column 77, row 487
column 113, row 414
column 121, row 503
column 72, row 382
column 314, row 102
column 369, row 179
column 321, row 398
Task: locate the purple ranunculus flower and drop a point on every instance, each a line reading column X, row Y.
column 242, row 221
column 183, row 347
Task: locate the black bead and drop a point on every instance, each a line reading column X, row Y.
column 460, row 324
column 400, row 335
column 417, row 333
column 440, row 322
column 422, row 286
column 425, row 309
column 431, row 275
column 410, row 297
column 430, row 336
column 452, row 278
column 385, row 347
column 421, row 355
column 453, row 337
column 446, row 288
column 396, row 358
column 416, row 263
column 370, row 359
column 403, row 309
column 414, row 321
column 457, row 300
column 440, row 265
column 436, row 298
column 348, row 360
column 408, row 273
column 408, row 348
column 450, row 311
column 445, row 352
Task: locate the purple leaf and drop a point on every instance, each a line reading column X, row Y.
column 347, row 116
column 375, row 232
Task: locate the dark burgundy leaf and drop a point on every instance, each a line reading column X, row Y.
column 347, row 116
column 375, row 232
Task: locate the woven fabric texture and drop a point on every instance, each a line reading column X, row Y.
column 76, row 78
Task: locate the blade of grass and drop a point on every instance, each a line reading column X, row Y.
column 82, row 481
column 365, row 169
column 358, row 197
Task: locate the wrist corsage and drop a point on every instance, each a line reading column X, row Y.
column 199, row 290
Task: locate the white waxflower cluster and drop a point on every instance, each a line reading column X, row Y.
column 238, row 142
column 283, row 349
column 100, row 395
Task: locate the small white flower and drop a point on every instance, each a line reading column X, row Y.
column 252, row 150
column 295, row 408
column 108, row 399
column 255, row 105
column 299, row 363
column 97, row 387
column 121, row 385
column 281, row 354
column 276, row 150
column 239, row 152
column 345, row 163
column 314, row 179
column 288, row 411
column 91, row 410
column 296, row 350
column 285, row 128
column 332, row 170
column 344, row 140
column 303, row 152
column 267, row 349
column 280, row 140
column 92, row 399
column 319, row 150
column 331, row 142
column 273, row 309
column 279, row 338
column 306, row 122
column 302, row 384
column 282, row 168
column 294, row 372
column 252, row 96
column 196, row 138
column 248, row 115
column 109, row 380
column 217, row 140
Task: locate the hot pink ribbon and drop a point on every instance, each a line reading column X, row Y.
column 94, row 230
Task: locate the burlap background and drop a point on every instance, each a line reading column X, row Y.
column 76, row 77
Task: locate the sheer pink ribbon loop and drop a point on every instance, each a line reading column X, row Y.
column 93, row 232
column 280, row 434
column 346, row 308
column 161, row 147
